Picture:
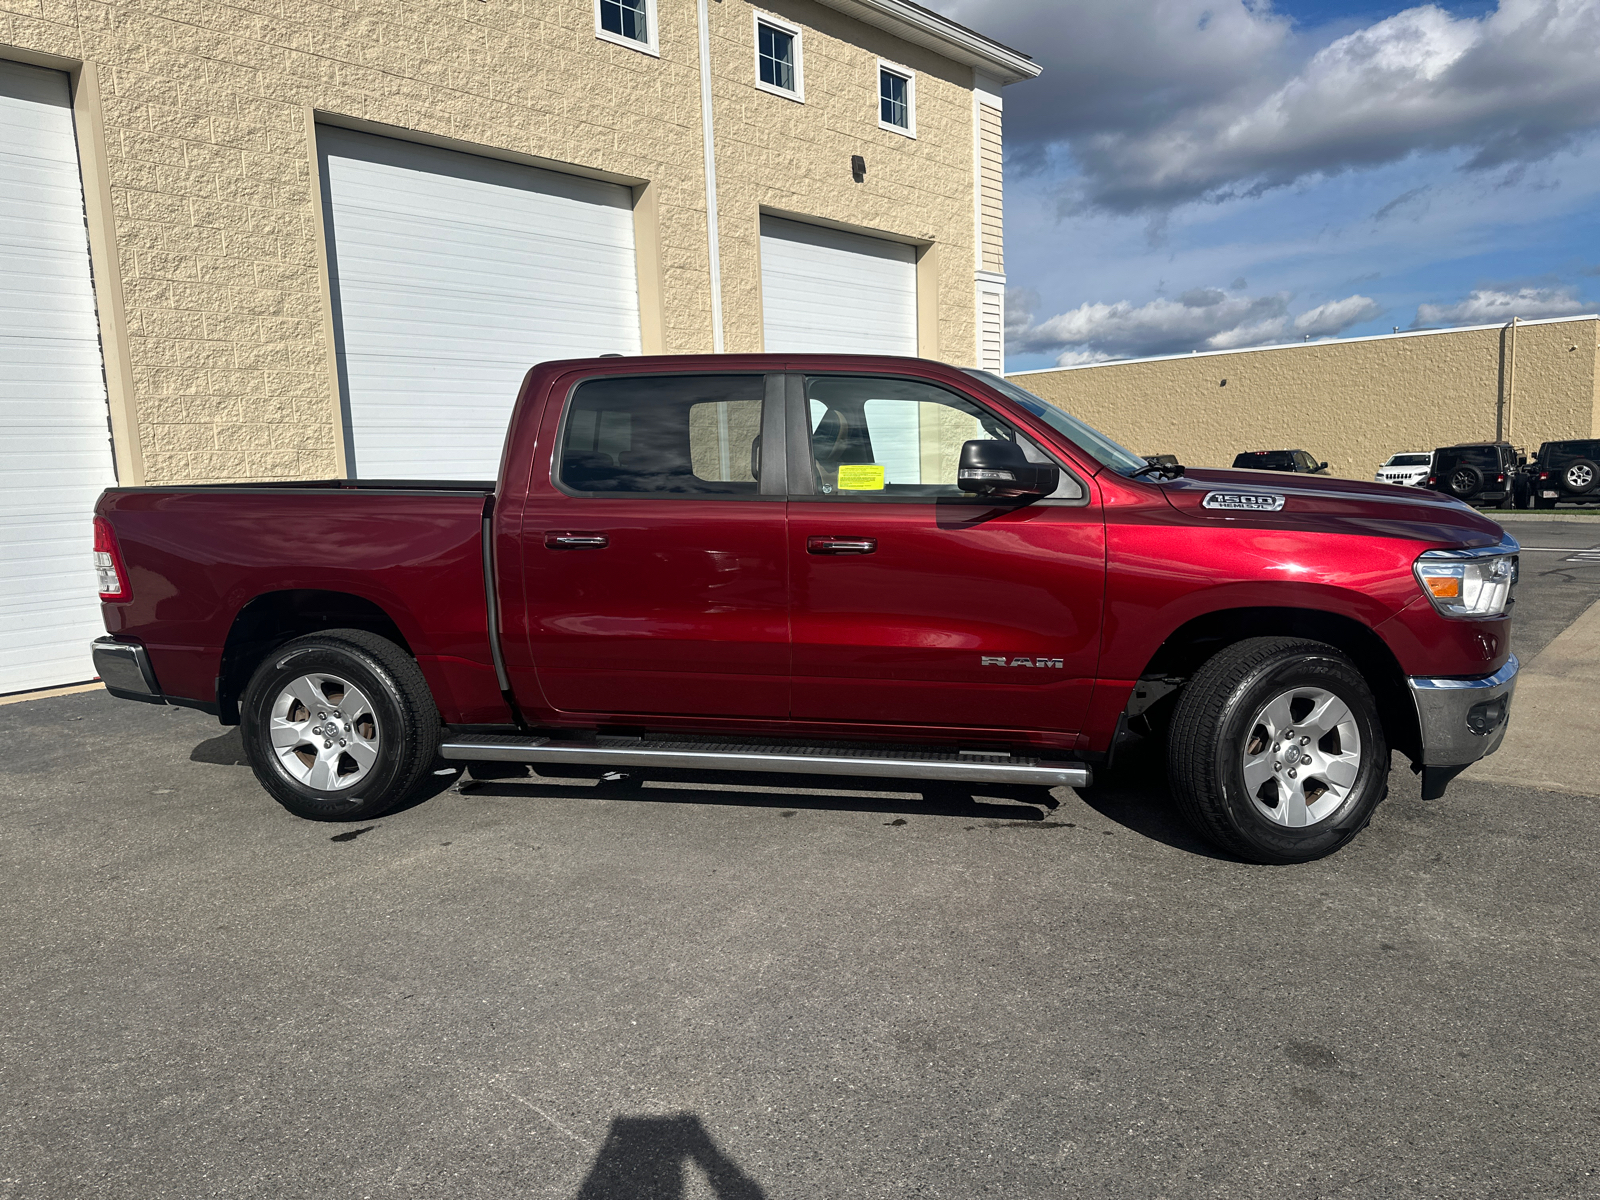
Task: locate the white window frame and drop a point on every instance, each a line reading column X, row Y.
column 910, row 128
column 778, row 23
column 651, row 47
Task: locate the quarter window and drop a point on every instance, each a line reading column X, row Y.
column 682, row 435
column 627, row 22
column 778, row 66
column 896, row 100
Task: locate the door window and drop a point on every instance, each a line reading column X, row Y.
column 676, row 435
column 900, row 439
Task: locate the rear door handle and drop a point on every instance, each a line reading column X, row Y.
column 840, row 545
column 564, row 540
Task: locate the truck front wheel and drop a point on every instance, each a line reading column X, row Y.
column 1276, row 752
column 339, row 726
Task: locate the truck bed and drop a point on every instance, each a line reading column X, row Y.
column 215, row 566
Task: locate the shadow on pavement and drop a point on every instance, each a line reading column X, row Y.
column 224, row 750
column 840, row 794
column 643, row 1158
column 1135, row 795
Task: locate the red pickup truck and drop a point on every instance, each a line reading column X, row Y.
column 848, row 566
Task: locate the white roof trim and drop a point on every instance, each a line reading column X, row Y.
column 1374, row 337
column 923, row 28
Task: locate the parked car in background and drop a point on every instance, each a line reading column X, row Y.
column 1480, row 473
column 1279, row 460
column 1565, row 471
column 1408, row 470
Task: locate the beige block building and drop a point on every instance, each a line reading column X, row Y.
column 271, row 239
column 1352, row 402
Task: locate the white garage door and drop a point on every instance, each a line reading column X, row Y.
column 826, row 291
column 55, row 448
column 452, row 275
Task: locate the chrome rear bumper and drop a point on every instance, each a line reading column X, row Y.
column 125, row 669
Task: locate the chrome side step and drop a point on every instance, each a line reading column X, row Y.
column 797, row 759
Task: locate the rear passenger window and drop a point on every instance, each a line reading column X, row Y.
column 682, row 435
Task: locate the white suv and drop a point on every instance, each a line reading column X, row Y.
column 1408, row 470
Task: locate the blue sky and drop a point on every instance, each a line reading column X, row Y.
column 1199, row 174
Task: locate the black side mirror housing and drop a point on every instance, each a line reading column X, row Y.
column 1000, row 469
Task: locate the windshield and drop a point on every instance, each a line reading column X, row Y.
column 1409, row 460
column 1266, row 460
column 1092, row 442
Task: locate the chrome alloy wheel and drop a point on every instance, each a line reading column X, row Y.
column 1301, row 757
column 1579, row 476
column 324, row 732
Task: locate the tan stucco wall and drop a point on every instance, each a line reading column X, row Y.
column 209, row 174
column 1351, row 403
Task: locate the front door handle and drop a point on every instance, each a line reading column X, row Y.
column 840, row 545
column 565, row 540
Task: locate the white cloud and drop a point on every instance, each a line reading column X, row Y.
column 1334, row 317
column 1201, row 319
column 1167, row 101
column 1487, row 306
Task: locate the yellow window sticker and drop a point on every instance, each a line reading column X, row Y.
column 860, row 477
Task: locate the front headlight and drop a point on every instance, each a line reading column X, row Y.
column 1469, row 583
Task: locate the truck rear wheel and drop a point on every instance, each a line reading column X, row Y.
column 340, row 726
column 1276, row 753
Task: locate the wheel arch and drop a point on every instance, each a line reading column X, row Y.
column 1196, row 640
column 273, row 618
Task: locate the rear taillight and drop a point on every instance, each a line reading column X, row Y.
column 1432, row 479
column 1544, row 474
column 108, row 566
column 1499, row 478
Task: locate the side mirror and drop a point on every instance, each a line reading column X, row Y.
column 1321, row 467
column 1001, row 469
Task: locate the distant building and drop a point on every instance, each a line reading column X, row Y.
column 1351, row 402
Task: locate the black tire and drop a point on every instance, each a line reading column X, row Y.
column 1207, row 746
column 1464, row 481
column 1580, row 477
column 405, row 725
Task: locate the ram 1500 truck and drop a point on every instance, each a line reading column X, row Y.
column 848, row 566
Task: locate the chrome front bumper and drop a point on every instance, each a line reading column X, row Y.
column 125, row 669
column 1462, row 720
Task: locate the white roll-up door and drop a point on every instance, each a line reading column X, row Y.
column 453, row 274
column 55, row 444
column 827, row 291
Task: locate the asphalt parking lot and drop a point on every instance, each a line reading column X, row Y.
column 724, row 988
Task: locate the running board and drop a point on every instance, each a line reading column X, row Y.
column 798, row 760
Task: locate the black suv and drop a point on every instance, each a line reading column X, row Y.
column 1566, row 471
column 1279, row 460
column 1482, row 473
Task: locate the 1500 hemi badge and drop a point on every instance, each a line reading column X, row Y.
column 1000, row 660
column 1244, row 501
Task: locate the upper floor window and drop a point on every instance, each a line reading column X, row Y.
column 897, row 99
column 778, row 67
column 629, row 23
